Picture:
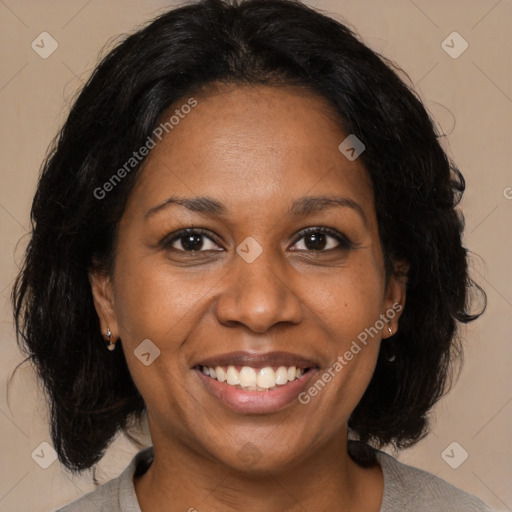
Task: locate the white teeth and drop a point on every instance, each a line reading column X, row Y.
column 247, row 377
column 266, row 378
column 281, row 375
column 254, row 379
column 221, row 374
column 232, row 376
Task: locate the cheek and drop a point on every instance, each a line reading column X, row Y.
column 152, row 304
column 348, row 307
column 348, row 300
column 152, row 301
column 155, row 303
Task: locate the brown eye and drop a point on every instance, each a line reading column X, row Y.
column 323, row 240
column 191, row 240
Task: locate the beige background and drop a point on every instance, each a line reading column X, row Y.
column 471, row 98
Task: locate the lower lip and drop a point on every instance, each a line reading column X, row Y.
column 256, row 402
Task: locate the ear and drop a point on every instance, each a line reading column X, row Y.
column 104, row 303
column 394, row 302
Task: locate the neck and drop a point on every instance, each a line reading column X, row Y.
column 327, row 480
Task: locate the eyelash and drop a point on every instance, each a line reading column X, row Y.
column 344, row 242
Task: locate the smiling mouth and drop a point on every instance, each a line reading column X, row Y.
column 250, row 378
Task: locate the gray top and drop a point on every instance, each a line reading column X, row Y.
column 406, row 489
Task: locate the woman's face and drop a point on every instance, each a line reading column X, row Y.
column 255, row 285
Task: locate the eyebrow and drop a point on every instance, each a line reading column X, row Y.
column 301, row 207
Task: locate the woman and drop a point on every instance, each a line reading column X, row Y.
column 247, row 230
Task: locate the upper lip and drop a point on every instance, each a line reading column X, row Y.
column 258, row 360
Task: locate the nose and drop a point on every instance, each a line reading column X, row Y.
column 258, row 295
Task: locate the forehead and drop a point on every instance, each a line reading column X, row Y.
column 252, row 145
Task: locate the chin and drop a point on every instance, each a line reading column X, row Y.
column 258, row 460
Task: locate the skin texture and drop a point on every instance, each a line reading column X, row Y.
column 256, row 150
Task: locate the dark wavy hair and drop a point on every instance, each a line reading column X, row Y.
column 273, row 42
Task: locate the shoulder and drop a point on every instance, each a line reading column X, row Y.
column 410, row 489
column 116, row 495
